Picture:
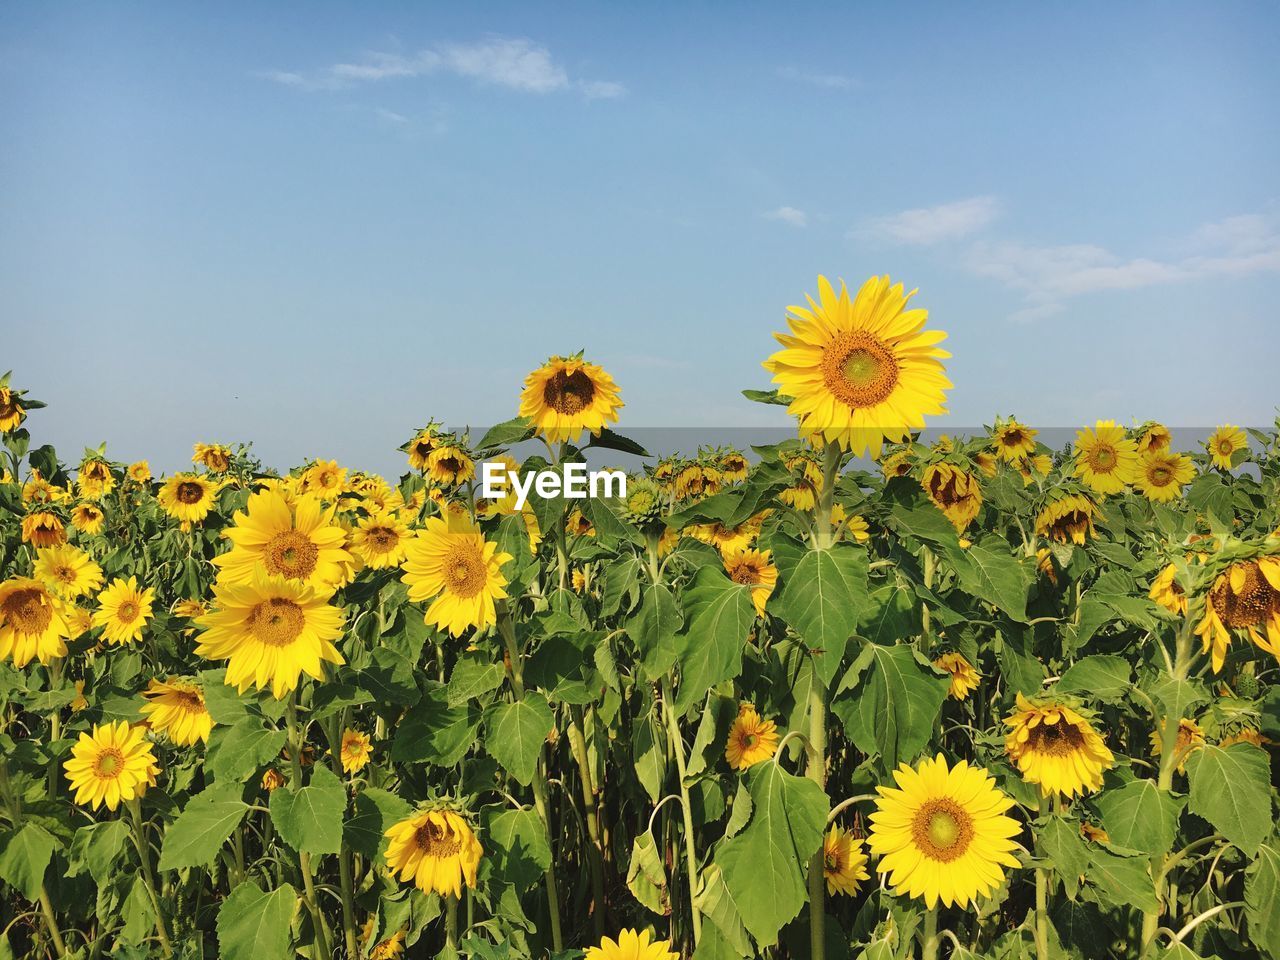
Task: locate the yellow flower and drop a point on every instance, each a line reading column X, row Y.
column 94, row 479
column 752, row 568
column 453, row 563
column 1162, row 475
column 733, row 467
column 190, row 609
column 751, row 740
column 88, row 518
column 1224, row 444
column 450, row 466
column 1067, row 518
column 578, row 580
column 355, row 750
column 79, row 622
column 578, row 525
column 80, row 701
column 1105, row 459
column 420, row 448
column 270, row 632
column 862, row 371
column 324, row 479
column 214, row 457
column 188, row 497
column 1096, row 834
column 390, row 948
column 1166, row 591
column 437, row 849
column 70, row 571
column 943, row 834
column 299, row 542
column 39, row 490
column 33, row 622
column 856, row 529
column 1045, row 565
column 843, row 863
column 567, row 395
column 272, row 779
column 43, row 529
column 1040, row 463
column 1056, row 747
column 380, row 540
column 139, row 472
column 964, row 676
column 1190, row 739
column 1244, row 598
column 1013, row 441
column 803, row 493
column 696, row 480
column 631, row 945
column 123, row 610
column 175, row 706
column 988, row 463
column 1154, row 437
column 12, row 412
column 111, row 764
column 897, row 464
column 1244, row 735
column 954, row 492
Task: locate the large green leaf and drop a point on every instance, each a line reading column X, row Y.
column 517, row 840
column 1231, row 788
column 890, row 702
column 473, row 676
column 310, row 819
column 1061, row 840
column 238, row 751
column 822, row 599
column 515, row 733
column 1138, row 816
column 24, row 856
column 253, row 925
column 1262, row 897
column 1102, row 677
column 720, row 615
column 375, row 811
column 1122, row 881
column 715, row 903
column 433, row 732
column 989, row 572
column 193, row 840
column 646, row 876
column 653, row 629
column 97, row 847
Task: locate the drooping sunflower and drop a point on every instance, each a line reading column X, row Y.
column 33, row 622
column 987, row 462
column 1224, row 443
column 1056, row 747
column 272, row 779
column 733, row 467
column 844, row 865
column 1244, row 735
column 88, row 518
column 1037, row 463
column 12, row 412
column 94, row 479
column 436, row 849
column 567, row 395
column 855, row 528
column 1067, row 519
column 897, row 464
column 964, row 676
column 354, row 751
column 942, row 834
column 175, row 706
column 1245, row 598
column 754, row 569
column 69, row 570
column 1166, row 591
column 578, row 525
column 861, row 371
column 39, row 490
column 1162, row 475
column 1153, row 437
column 188, row 497
column 139, row 472
column 214, row 457
column 270, row 632
column 450, row 465
column 1106, row 460
column 380, row 540
column 804, row 489
column 298, row 542
column 631, row 945
column 1046, row 566
column 696, row 480
column 954, row 492
column 1013, row 441
column 752, row 739
column 111, row 764
column 389, row 948
column 452, row 562
column 124, row 610
column 420, row 447
column 43, row 529
column 1190, row 739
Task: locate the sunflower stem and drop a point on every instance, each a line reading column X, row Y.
column 930, row 942
column 450, row 924
column 51, row 921
column 296, row 739
column 595, row 855
column 686, row 806
column 344, row 855
column 148, row 878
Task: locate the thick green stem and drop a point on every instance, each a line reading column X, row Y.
column 296, row 743
column 148, row 878
column 929, row 939
column 595, row 855
column 686, row 806
column 51, row 922
column 344, row 855
column 450, row 923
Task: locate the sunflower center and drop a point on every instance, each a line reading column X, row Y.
column 434, row 840
column 1159, row 476
column 1247, row 606
column 1225, row 448
column 422, row 448
column 745, row 573
column 449, row 464
column 832, row 862
column 1059, row 739
column 569, row 393
column 190, row 493
column 65, row 575
column 382, row 538
column 127, row 612
column 27, row 611
column 277, row 622
column 859, row 369
column 291, row 554
column 1013, row 438
column 1102, row 458
column 942, row 829
column 464, row 570
column 110, row 763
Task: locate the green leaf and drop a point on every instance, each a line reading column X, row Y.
column 1100, row 677
column 224, row 704
column 195, row 838
column 1231, row 788
column 715, row 903
column 24, row 856
column 310, row 819
column 765, row 865
column 890, row 702
column 238, row 751
column 506, row 434
column 433, row 732
column 473, row 676
column 1138, row 816
column 515, row 733
column 606, row 439
column 646, row 876
column 1261, row 895
column 1061, row 840
column 1122, row 881
column 720, row 615
column 517, row 841
column 989, row 572
column 891, row 616
column 97, row 847
column 253, row 925
column 822, row 599
column 767, row 396
column 653, row 629
column 375, row 812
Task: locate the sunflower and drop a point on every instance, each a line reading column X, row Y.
column 43, row 529
column 79, row 622
column 437, row 848
column 843, row 863
column 88, row 518
column 124, row 610
column 70, row 571
column 175, row 706
column 33, row 622
column 1045, row 565
column 1056, row 747
column 567, row 395
column 111, row 764
column 897, row 464
column 1224, row 443
column 270, row 632
column 631, row 945
column 856, row 527
column 1162, row 475
column 272, row 779
column 94, row 479
column 1039, row 463
column 450, row 466
column 696, row 480
column 987, row 462
column 804, row 489
column 954, row 492
column 1067, row 518
column 39, row 490
column 1013, row 441
column 299, row 542
column 733, row 467
column 1105, row 459
column 324, row 479
column 863, row 371
column 578, row 525
column 964, row 676
column 728, row 539
column 389, row 949
column 1154, row 437
column 188, row 497
column 1167, row 592
column 190, row 609
column 139, row 472
column 1244, row 735
column 943, row 833
column 578, row 580
column 354, row 751
column 12, row 412
column 1244, row 598
column 1190, row 739
column 380, row 539
column 420, row 447
column 1093, row 833
column 214, row 457
column 751, row 740
column 453, row 563
column 81, row 701
column 752, row 568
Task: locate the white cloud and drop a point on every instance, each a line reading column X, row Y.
column 391, row 115
column 601, row 89
column 925, row 226
column 797, row 218
column 830, row 81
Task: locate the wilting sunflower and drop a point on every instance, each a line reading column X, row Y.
column 390, row 948
column 751, row 740
column 752, row 568
column 420, row 447
column 39, row 490
column 1224, row 444
column 33, row 622
column 272, row 779
column 1245, row 598
column 1038, row 463
column 954, row 492
column 567, row 395
column 943, row 834
column 12, row 412
column 577, row 524
column 175, row 706
column 450, row 465
column 188, row 497
column 1105, row 459
column 861, row 371
column 299, row 542
column 111, row 764
column 270, row 632
column 437, row 849
column 1166, row 591
column 124, row 610
column 451, row 561
column 855, row 528
column 1056, row 747
column 987, row 462
column 354, row 752
column 1244, row 735
column 88, row 518
column 1013, row 441
column 1046, row 566
column 1162, row 475
column 214, row 457
column 70, row 571
column 43, row 529
column 964, row 676
column 94, row 479
column 139, row 472
column 733, row 467
column 1190, row 739
column 1067, row 518
column 804, row 489
column 1153, row 436
column 190, row 609
column 380, row 539
column 897, row 464
column 843, row 863
column 696, row 480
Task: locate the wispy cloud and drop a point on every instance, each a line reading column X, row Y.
column 790, row 215
column 602, row 89
column 925, row 226
column 390, row 115
column 830, row 81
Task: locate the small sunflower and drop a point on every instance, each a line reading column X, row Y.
column 954, row 492
column 437, row 849
column 43, row 529
column 324, row 479
column 1224, row 444
column 803, row 492
column 139, row 472
column 1245, row 598
column 354, row 751
column 897, row 464
column 1013, row 441
column 1046, row 565
column 299, row 542
column 33, row 622
column 272, row 779
column 1067, row 519
column 964, row 676
column 94, row 479
column 695, row 481
column 843, row 862
column 1166, row 591
column 124, row 610
column 578, row 525
column 450, row 465
column 389, row 949
column 175, row 706
column 1153, row 437
column 188, row 498
column 69, row 570
column 1057, row 748
column 1029, row 467
column 752, row 568
column 631, row 945
column 420, row 447
column 12, row 411
column 856, row 528
column 568, row 395
column 733, row 467
column 88, row 518
column 380, row 540
column 111, row 764
column 453, row 563
column 1244, row 735
column 1106, row 461
column 1190, row 739
column 751, row 740
column 214, row 457
column 1162, row 475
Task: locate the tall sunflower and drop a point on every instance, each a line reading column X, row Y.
column 754, row 569
column 1106, row 460
column 752, row 739
column 12, row 411
column 175, row 706
column 188, row 498
column 437, row 849
column 942, row 834
column 420, row 447
column 124, row 610
column 1055, row 747
column 1245, row 598
column 271, row 631
column 953, row 491
column 567, row 395
column 111, row 764
column 214, row 457
column 632, row 945
column 1067, row 518
column 844, row 865
column 299, row 542
column 1224, row 444
column 1161, row 475
column 452, row 562
column 33, row 622
column 69, row 570
column 139, row 472
column 1013, row 441
column 861, row 371
column 380, row 540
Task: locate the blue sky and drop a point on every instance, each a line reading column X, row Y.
column 317, row 226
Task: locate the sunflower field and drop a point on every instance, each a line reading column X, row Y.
column 851, row 695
